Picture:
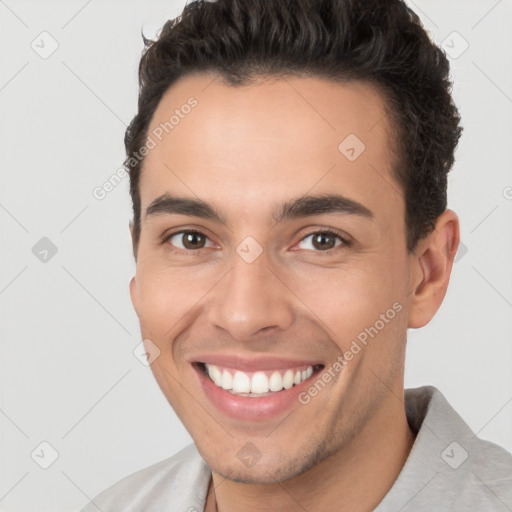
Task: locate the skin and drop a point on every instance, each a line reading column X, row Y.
column 245, row 150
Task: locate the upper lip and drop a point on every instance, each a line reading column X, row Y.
column 238, row 362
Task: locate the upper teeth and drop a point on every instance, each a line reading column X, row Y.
column 258, row 382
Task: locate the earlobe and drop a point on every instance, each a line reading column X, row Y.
column 133, row 294
column 433, row 261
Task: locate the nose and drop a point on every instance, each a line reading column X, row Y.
column 252, row 297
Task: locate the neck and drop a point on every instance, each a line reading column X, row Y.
column 356, row 478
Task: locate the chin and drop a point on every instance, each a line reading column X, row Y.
column 268, row 469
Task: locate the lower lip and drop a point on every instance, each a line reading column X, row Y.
column 252, row 408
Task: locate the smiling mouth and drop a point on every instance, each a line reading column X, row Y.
column 259, row 383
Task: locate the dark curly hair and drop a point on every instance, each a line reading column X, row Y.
column 380, row 42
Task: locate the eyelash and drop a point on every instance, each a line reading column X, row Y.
column 344, row 240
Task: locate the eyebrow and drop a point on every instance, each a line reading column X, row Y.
column 320, row 205
column 167, row 204
column 305, row 206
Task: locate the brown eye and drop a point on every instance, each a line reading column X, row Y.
column 188, row 240
column 322, row 241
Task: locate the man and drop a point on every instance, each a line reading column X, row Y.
column 288, row 168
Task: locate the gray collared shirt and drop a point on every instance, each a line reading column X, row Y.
column 449, row 469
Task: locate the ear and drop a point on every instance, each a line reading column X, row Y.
column 431, row 268
column 133, row 281
column 133, row 294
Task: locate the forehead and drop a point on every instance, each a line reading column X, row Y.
column 267, row 141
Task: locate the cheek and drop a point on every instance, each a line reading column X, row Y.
column 165, row 297
column 349, row 301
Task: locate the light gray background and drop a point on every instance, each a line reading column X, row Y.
column 68, row 374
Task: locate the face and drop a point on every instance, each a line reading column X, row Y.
column 279, row 303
